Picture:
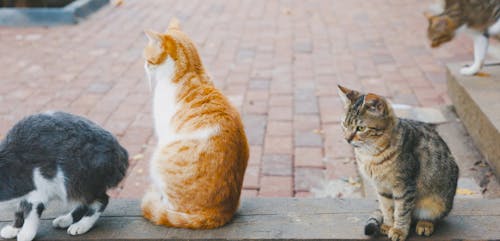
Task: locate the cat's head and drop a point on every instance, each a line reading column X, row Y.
column 441, row 29
column 367, row 118
column 171, row 53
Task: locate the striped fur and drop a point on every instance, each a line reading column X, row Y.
column 407, row 162
column 198, row 166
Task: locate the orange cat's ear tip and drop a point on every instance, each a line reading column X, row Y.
column 174, row 23
column 152, row 35
column 149, row 32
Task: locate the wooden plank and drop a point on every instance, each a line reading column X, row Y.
column 281, row 219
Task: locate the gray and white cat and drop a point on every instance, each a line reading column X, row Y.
column 56, row 155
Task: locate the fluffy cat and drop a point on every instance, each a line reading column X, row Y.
column 482, row 17
column 56, row 155
column 202, row 153
column 407, row 162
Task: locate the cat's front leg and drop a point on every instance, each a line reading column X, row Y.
column 480, row 49
column 404, row 203
column 32, row 213
column 387, row 208
column 11, row 231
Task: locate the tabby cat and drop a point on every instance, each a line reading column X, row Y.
column 57, row 155
column 480, row 16
column 198, row 166
column 407, row 162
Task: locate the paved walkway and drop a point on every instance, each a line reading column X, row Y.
column 278, row 61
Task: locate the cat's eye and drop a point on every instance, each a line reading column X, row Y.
column 360, row 128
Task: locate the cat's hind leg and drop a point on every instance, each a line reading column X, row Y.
column 427, row 211
column 425, row 228
column 74, row 216
column 90, row 217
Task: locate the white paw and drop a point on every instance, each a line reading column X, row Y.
column 471, row 70
column 80, row 227
column 26, row 234
column 9, row 232
column 62, row 221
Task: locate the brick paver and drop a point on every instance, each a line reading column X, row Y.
column 277, row 61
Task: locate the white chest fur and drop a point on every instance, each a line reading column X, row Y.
column 164, row 103
column 362, row 159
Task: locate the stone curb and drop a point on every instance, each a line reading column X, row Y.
column 71, row 14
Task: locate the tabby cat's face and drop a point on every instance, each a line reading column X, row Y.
column 367, row 117
column 441, row 30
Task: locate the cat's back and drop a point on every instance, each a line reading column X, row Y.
column 59, row 136
column 478, row 14
column 55, row 128
column 416, row 135
column 205, row 105
column 423, row 142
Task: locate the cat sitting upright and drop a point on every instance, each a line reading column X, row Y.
column 198, row 166
column 481, row 17
column 56, row 155
column 410, row 166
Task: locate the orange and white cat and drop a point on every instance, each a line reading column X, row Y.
column 198, row 167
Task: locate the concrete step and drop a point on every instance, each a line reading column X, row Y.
column 477, row 102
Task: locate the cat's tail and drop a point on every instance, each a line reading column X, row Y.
column 155, row 210
column 372, row 226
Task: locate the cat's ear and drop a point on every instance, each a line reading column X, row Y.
column 428, row 15
column 153, row 37
column 375, row 104
column 174, row 24
column 347, row 96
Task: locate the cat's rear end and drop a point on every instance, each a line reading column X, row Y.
column 56, row 155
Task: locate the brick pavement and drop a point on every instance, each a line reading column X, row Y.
column 278, row 62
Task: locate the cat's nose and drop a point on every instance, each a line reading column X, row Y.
column 349, row 136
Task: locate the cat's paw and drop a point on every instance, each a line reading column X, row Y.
column 396, row 234
column 9, row 232
column 384, row 229
column 62, row 221
column 80, row 227
column 424, row 228
column 26, row 234
column 470, row 70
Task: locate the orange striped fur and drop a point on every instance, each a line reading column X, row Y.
column 198, row 167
